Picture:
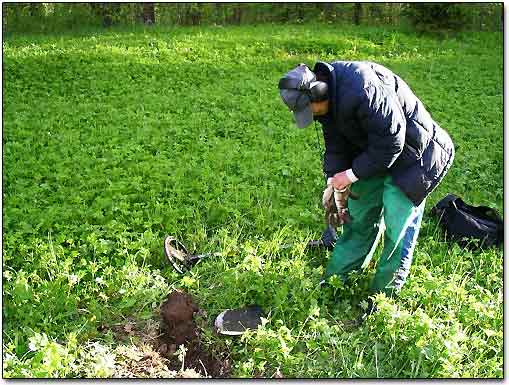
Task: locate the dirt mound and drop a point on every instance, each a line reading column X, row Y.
column 178, row 327
column 177, row 314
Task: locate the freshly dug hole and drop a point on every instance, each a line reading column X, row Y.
column 178, row 327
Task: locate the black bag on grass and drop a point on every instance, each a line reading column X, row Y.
column 464, row 223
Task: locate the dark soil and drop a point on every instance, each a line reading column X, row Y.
column 177, row 316
column 178, row 327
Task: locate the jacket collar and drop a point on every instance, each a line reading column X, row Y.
column 325, row 67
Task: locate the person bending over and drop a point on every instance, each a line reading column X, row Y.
column 382, row 143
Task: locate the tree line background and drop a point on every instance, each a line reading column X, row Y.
column 49, row 17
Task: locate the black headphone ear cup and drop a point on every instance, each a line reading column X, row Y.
column 318, row 92
column 314, row 93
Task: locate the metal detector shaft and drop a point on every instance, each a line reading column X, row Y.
column 180, row 258
column 193, row 259
column 326, row 241
column 311, row 244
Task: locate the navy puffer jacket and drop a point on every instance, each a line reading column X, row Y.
column 376, row 125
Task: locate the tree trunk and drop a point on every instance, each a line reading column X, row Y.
column 107, row 19
column 300, row 14
column 149, row 16
column 196, row 14
column 395, row 9
column 106, row 11
column 357, row 12
column 96, row 9
column 482, row 15
column 34, row 9
column 287, row 13
column 375, row 12
column 237, row 14
column 138, row 13
column 219, row 11
column 187, row 14
column 327, row 11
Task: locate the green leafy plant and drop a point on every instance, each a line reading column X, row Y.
column 114, row 139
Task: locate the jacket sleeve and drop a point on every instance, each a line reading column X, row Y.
column 382, row 118
column 337, row 156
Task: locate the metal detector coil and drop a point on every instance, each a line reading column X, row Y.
column 177, row 254
column 181, row 259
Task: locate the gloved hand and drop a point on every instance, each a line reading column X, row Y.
column 335, row 203
column 329, row 205
column 341, row 199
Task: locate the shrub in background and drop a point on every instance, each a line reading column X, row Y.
column 432, row 17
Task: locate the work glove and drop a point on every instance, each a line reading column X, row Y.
column 329, row 205
column 335, row 203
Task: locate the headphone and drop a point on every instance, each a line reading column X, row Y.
column 317, row 91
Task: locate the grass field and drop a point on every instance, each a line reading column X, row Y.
column 113, row 139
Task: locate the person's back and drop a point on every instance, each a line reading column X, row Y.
column 369, row 100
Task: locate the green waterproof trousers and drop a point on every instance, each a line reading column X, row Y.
column 381, row 204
